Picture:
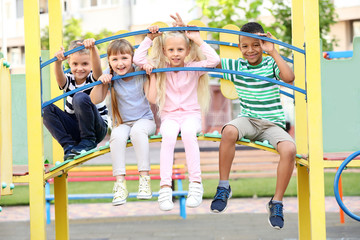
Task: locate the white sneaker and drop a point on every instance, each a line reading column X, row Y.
column 120, row 192
column 165, row 199
column 144, row 188
column 195, row 195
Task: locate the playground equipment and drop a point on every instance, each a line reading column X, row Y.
column 336, row 186
column 310, row 128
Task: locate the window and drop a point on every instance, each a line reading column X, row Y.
column 355, row 29
column 19, row 8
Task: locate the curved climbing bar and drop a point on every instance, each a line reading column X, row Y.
column 207, row 29
column 171, row 70
column 336, row 186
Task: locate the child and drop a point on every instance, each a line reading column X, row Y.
column 82, row 125
column 132, row 118
column 261, row 117
column 180, row 97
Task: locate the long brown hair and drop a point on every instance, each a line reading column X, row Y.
column 121, row 46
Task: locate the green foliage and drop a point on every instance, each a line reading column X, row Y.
column 239, row 12
column 283, row 26
column 73, row 31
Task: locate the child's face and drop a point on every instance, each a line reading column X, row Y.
column 121, row 63
column 251, row 49
column 176, row 50
column 80, row 66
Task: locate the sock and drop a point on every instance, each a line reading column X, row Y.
column 224, row 183
column 274, row 201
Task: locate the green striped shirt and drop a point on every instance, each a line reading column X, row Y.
column 258, row 98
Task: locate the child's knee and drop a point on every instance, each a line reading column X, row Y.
column 287, row 148
column 80, row 98
column 230, row 133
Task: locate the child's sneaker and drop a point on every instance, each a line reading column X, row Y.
column 195, row 195
column 219, row 203
column 84, row 145
column 144, row 188
column 165, row 199
column 120, row 192
column 276, row 217
column 67, row 152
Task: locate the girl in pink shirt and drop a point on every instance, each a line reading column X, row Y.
column 180, row 97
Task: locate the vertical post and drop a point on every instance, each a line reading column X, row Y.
column 313, row 77
column 301, row 133
column 34, row 121
column 60, row 183
column 5, row 130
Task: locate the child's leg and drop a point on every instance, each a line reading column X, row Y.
column 231, row 133
column 189, row 128
column 118, row 140
column 287, row 151
column 286, row 147
column 62, row 126
column 92, row 126
column 169, row 130
column 139, row 135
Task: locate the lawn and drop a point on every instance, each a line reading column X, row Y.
column 250, row 187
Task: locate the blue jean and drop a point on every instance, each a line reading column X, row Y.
column 70, row 129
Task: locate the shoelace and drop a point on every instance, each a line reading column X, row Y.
column 144, row 185
column 222, row 194
column 277, row 210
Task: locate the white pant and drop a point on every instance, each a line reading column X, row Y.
column 139, row 132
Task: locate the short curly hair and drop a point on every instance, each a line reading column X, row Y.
column 252, row 27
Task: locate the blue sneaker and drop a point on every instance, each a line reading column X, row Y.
column 276, row 216
column 219, row 204
column 83, row 145
column 67, row 152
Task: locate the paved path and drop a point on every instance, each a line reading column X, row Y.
column 244, row 219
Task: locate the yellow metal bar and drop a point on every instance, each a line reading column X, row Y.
column 61, row 207
column 301, row 132
column 55, row 42
column 60, row 183
column 313, row 76
column 34, row 121
column 5, row 131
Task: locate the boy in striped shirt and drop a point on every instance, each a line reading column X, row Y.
column 261, row 117
column 82, row 125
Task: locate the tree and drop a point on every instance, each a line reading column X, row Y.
column 239, row 12
column 282, row 13
column 73, row 31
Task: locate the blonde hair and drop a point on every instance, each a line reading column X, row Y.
column 159, row 60
column 121, row 46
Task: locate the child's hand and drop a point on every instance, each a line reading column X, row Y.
column 148, row 68
column 105, row 78
column 154, row 32
column 265, row 45
column 60, row 55
column 88, row 43
column 193, row 35
column 178, row 21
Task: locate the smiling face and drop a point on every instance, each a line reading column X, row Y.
column 251, row 50
column 80, row 66
column 176, row 50
column 121, row 63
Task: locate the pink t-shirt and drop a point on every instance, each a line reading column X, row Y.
column 181, row 87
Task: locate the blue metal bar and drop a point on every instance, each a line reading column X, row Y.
column 171, row 70
column 336, row 185
column 179, row 29
column 281, row 91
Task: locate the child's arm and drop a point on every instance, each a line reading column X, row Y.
column 150, row 84
column 212, row 58
column 58, row 68
column 98, row 93
column 286, row 73
column 141, row 52
column 94, row 57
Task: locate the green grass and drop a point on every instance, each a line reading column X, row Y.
column 260, row 187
